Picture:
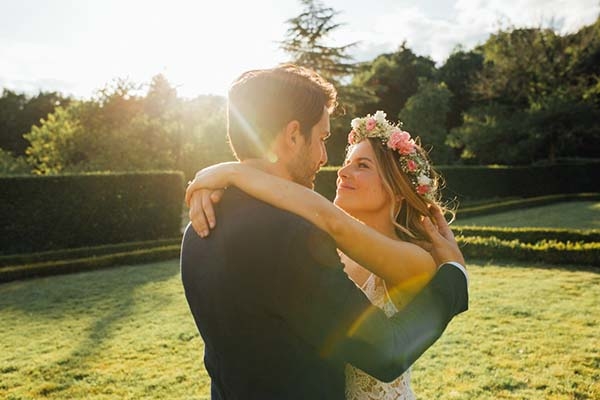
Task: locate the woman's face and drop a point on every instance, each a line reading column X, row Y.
column 360, row 188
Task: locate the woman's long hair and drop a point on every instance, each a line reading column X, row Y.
column 406, row 213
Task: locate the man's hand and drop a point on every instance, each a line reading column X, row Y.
column 202, row 212
column 443, row 244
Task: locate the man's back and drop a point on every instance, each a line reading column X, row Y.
column 242, row 284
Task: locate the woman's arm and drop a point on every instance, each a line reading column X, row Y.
column 402, row 265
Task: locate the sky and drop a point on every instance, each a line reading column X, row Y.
column 78, row 46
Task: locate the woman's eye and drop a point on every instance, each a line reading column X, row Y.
column 362, row 165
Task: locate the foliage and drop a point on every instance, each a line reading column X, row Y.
column 58, row 267
column 458, row 73
column 11, row 165
column 546, row 251
column 307, row 43
column 395, row 78
column 83, row 252
column 425, row 115
column 120, row 130
column 57, row 212
column 19, row 112
column 555, row 128
column 538, row 98
column 485, row 182
column 530, row 235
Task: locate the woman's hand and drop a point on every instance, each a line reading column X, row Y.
column 202, row 212
column 204, row 191
column 443, row 244
column 215, row 177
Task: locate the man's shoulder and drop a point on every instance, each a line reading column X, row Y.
column 239, row 207
column 259, row 217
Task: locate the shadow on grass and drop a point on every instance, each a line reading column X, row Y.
column 92, row 303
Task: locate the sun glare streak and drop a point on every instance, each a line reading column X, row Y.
column 251, row 134
column 403, row 291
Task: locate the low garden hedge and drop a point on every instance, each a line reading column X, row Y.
column 546, row 251
column 484, row 182
column 84, row 252
column 531, row 235
column 40, row 213
column 57, row 267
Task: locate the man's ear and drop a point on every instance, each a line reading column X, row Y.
column 292, row 133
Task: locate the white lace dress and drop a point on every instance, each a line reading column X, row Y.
column 360, row 385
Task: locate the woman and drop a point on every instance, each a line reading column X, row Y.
column 384, row 189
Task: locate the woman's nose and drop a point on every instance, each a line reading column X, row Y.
column 343, row 171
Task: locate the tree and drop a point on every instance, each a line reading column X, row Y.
column 52, row 146
column 19, row 112
column 458, row 73
column 306, row 44
column 425, row 115
column 537, row 98
column 121, row 130
column 394, row 78
column 11, row 165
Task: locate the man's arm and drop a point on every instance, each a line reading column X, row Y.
column 330, row 312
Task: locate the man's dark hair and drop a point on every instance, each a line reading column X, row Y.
column 262, row 102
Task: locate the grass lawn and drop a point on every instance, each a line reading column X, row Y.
column 576, row 215
column 126, row 333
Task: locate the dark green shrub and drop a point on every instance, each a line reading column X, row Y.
column 39, row 213
column 530, row 235
column 480, row 182
column 84, row 252
column 551, row 252
column 58, row 267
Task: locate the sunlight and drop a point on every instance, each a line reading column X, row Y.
column 201, row 47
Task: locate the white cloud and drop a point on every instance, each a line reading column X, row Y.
column 467, row 23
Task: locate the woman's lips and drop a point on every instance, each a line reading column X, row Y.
column 345, row 186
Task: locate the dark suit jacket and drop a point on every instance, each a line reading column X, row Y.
column 279, row 317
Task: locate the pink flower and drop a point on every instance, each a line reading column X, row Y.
column 371, row 124
column 423, row 189
column 411, row 165
column 401, row 141
column 351, row 136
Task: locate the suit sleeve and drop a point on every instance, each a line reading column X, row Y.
column 327, row 309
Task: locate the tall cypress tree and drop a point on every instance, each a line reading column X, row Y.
column 306, row 44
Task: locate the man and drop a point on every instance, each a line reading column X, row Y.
column 278, row 316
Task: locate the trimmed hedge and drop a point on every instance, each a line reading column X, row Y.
column 516, row 204
column 39, row 213
column 530, row 181
column 551, row 252
column 530, row 235
column 84, row 252
column 480, row 182
column 57, row 267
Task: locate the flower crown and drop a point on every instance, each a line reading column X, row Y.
column 412, row 162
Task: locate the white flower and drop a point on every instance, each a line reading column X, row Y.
column 424, row 180
column 355, row 123
column 380, row 116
